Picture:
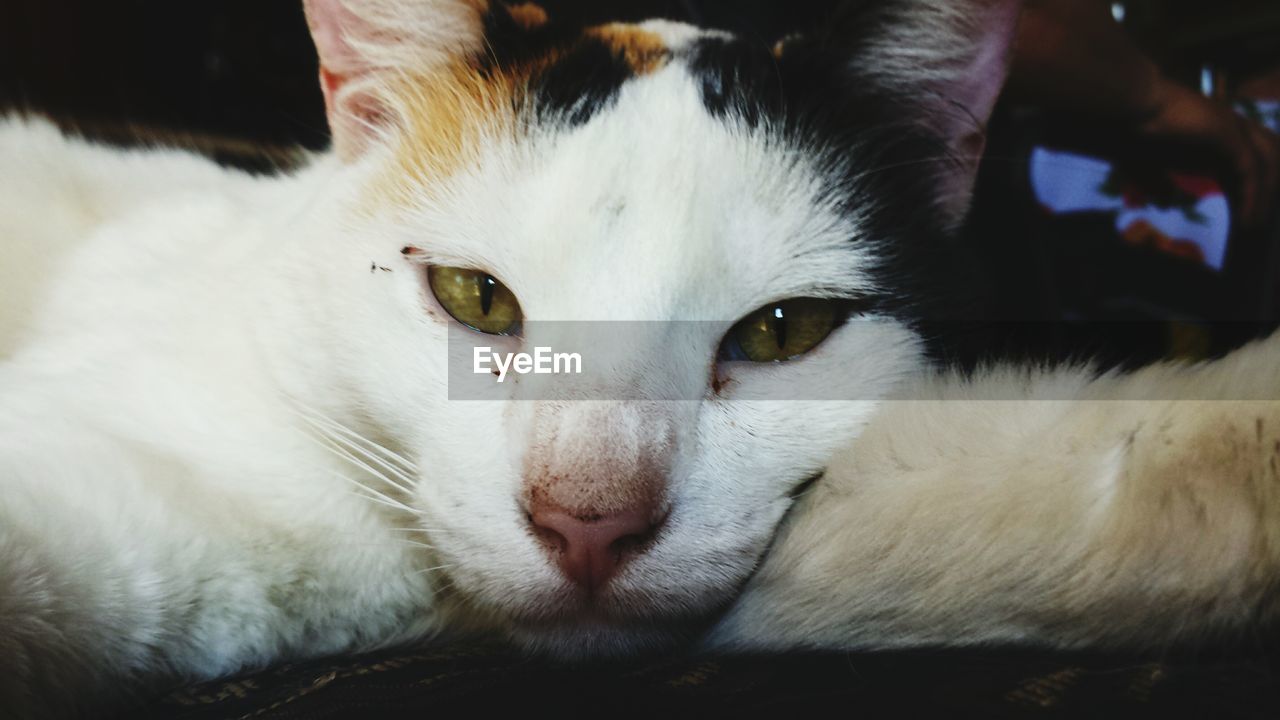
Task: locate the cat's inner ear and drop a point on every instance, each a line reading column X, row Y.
column 951, row 57
column 366, row 44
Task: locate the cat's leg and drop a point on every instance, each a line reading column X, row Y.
column 83, row 600
column 1121, row 512
column 124, row 569
column 122, row 572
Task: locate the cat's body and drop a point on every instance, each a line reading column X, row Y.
column 226, row 433
column 161, row 512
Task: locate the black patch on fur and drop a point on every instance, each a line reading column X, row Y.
column 582, row 79
column 810, row 94
column 881, row 162
column 582, row 83
column 587, row 74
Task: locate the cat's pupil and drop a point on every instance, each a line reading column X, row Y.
column 487, row 286
column 780, row 327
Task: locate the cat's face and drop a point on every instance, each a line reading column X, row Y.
column 667, row 184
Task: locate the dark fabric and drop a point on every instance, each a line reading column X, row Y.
column 422, row 684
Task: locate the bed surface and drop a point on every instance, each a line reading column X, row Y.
column 426, row 683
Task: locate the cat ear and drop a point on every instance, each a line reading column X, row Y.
column 948, row 57
column 364, row 43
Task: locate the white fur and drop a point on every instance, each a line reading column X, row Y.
column 160, row 508
column 1038, row 507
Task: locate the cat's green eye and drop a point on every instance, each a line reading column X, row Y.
column 476, row 299
column 782, row 331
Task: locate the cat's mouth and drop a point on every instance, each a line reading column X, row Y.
column 638, row 612
column 668, row 579
column 596, row 624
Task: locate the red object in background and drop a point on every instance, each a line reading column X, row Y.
column 1143, row 234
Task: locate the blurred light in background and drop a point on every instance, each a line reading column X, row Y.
column 1195, row 225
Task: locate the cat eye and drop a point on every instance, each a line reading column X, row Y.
column 783, row 330
column 476, row 299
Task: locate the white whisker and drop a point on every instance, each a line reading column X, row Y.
column 372, row 495
column 402, row 482
column 375, row 497
column 341, row 453
column 315, row 416
column 437, row 568
column 406, row 464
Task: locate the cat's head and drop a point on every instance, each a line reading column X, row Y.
column 759, row 222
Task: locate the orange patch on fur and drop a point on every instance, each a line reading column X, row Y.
column 644, row 51
column 529, row 16
column 445, row 119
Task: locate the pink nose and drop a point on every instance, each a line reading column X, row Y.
column 591, row 551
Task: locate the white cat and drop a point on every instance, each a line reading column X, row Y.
column 226, row 432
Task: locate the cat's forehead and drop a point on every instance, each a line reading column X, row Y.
column 533, row 76
column 651, row 200
column 619, row 157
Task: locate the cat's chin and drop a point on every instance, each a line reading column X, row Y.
column 617, row 628
column 597, row 639
column 566, row 627
column 586, row 633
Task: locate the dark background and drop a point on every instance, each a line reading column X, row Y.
column 246, row 68
column 239, row 68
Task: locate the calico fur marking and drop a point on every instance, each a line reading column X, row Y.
column 532, row 74
column 529, row 16
column 644, row 51
column 446, row 119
